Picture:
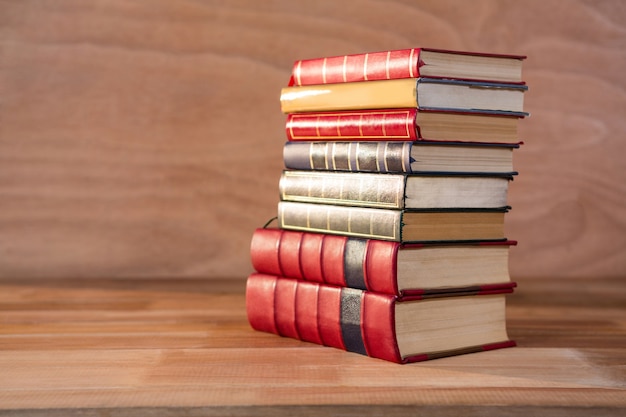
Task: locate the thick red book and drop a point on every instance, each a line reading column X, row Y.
column 401, row 330
column 408, row 124
column 381, row 266
column 408, row 63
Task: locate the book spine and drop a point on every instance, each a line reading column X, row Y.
column 371, row 66
column 351, row 125
column 339, row 188
column 386, row 94
column 379, row 157
column 344, row 318
column 330, row 259
column 371, row 223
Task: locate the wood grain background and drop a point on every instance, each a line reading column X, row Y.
column 144, row 138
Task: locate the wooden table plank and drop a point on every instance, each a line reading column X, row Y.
column 90, row 347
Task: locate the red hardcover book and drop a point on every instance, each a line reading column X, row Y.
column 402, row 125
column 408, row 63
column 362, row 125
column 396, row 329
column 381, row 266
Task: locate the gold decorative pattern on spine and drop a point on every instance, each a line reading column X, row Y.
column 365, row 67
column 308, row 217
column 291, row 129
column 338, row 126
column 385, row 157
column 311, row 151
column 361, row 125
column 324, row 71
column 327, row 219
column 407, row 123
column 405, row 147
column 317, row 126
column 298, row 70
column 383, row 125
column 326, row 155
column 387, row 64
column 411, row 63
column 349, row 151
column 295, row 117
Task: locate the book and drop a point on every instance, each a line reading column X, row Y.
column 397, row 329
column 381, row 266
column 408, row 63
column 421, row 93
column 395, row 191
column 399, row 157
column 402, row 125
column 394, row 224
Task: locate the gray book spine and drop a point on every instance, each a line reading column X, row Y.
column 348, row 221
column 383, row 157
column 343, row 188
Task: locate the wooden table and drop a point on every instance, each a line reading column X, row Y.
column 183, row 347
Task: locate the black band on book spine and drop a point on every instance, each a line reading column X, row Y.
column 351, row 320
column 353, row 263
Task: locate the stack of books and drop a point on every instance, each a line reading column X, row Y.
column 390, row 238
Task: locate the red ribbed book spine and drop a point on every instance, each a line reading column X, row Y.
column 321, row 258
column 357, row 67
column 353, row 125
column 345, row 318
column 367, row 264
column 317, row 317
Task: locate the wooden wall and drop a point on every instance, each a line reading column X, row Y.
column 144, row 138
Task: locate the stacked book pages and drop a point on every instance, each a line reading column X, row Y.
column 390, row 238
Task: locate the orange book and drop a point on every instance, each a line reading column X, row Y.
column 420, row 93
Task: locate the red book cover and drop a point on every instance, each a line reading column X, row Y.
column 400, row 125
column 353, row 125
column 371, row 66
column 345, row 318
column 367, row 264
column 308, row 296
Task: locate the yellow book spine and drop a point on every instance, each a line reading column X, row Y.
column 385, row 94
